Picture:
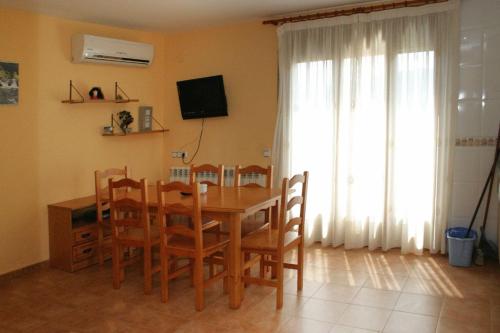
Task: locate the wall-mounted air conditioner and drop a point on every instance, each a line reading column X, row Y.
column 103, row 50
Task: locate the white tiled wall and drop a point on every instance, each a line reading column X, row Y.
column 478, row 109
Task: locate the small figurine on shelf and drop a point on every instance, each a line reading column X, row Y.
column 125, row 119
column 96, row 93
column 109, row 129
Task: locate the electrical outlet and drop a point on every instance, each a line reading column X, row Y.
column 267, row 152
column 178, row 154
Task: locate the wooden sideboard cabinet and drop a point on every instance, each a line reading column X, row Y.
column 73, row 234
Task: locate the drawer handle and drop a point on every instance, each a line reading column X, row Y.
column 87, row 250
column 87, row 235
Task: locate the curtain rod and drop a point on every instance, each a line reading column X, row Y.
column 352, row 11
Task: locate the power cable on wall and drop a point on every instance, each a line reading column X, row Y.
column 198, row 145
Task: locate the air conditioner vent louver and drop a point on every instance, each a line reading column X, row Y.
column 117, row 59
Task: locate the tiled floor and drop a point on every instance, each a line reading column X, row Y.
column 344, row 291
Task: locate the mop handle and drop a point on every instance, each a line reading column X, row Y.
column 490, row 178
column 491, row 183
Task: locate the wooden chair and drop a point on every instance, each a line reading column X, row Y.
column 130, row 227
column 182, row 240
column 276, row 243
column 219, row 172
column 103, row 224
column 253, row 223
column 210, row 169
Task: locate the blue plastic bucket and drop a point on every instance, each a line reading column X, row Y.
column 460, row 249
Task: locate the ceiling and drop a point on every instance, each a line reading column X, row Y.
column 169, row 15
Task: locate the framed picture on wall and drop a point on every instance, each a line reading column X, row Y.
column 9, row 83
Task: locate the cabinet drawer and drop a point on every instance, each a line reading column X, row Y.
column 85, row 251
column 85, row 235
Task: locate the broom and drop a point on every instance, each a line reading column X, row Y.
column 484, row 245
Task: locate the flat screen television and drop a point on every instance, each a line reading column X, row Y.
column 202, row 97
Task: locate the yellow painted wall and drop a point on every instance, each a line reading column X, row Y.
column 49, row 150
column 246, row 55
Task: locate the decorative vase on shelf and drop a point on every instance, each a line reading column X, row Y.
column 125, row 119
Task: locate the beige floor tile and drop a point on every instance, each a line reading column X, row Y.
column 447, row 325
column 116, row 325
column 427, row 287
column 322, row 310
column 365, row 317
column 402, row 322
column 378, row 298
column 312, row 273
column 495, row 314
column 20, row 319
column 339, row 275
column 347, row 329
column 264, row 326
column 495, row 300
column 336, row 292
column 385, row 282
column 347, row 277
column 301, row 325
column 397, row 268
column 264, row 314
column 55, row 328
column 419, row 304
column 195, row 326
column 429, row 270
column 327, row 261
column 221, row 316
column 465, row 311
column 291, row 303
column 308, row 288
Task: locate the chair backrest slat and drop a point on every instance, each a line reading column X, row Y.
column 296, row 179
column 114, row 172
column 175, row 186
column 180, row 229
column 128, row 222
column 253, row 169
column 252, row 185
column 178, row 209
column 292, row 223
column 297, row 200
column 126, row 182
column 125, row 203
column 207, row 169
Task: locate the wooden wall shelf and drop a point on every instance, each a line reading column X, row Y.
column 82, row 100
column 97, row 101
column 135, row 133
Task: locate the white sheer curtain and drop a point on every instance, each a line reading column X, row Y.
column 366, row 104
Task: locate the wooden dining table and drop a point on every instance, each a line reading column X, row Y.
column 230, row 205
